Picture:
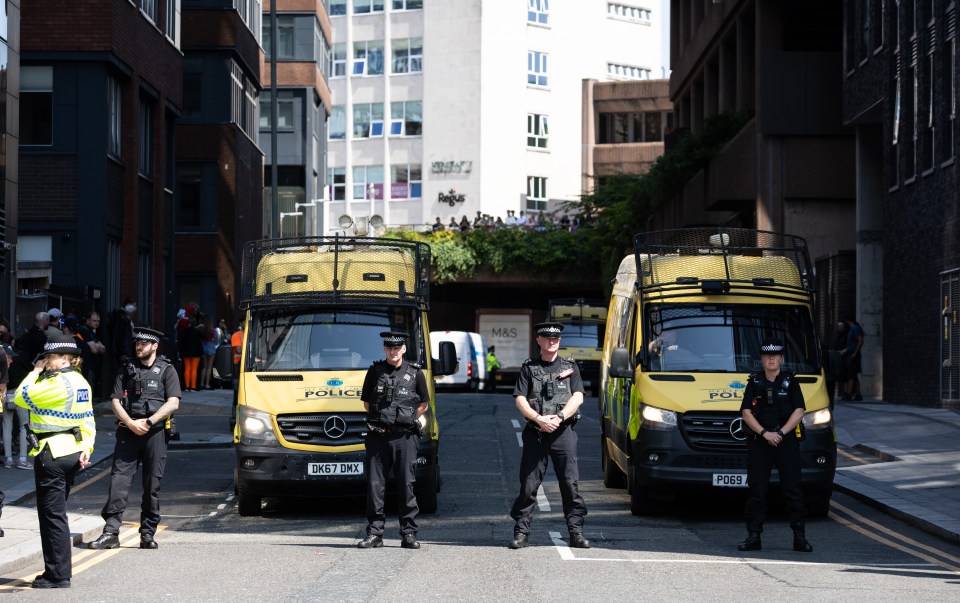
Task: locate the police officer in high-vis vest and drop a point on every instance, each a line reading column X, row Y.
column 394, row 395
column 61, row 434
column 145, row 396
column 548, row 394
column 772, row 409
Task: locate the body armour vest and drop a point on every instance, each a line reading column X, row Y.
column 397, row 399
column 549, row 392
column 773, row 406
column 145, row 390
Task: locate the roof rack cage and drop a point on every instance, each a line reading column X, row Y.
column 335, row 271
column 728, row 254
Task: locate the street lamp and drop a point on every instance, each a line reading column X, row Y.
column 283, row 215
column 297, row 206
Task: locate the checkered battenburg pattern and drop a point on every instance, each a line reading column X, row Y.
column 57, row 347
column 549, row 331
column 771, row 349
column 146, row 337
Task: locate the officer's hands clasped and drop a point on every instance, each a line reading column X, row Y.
column 773, row 438
column 548, row 423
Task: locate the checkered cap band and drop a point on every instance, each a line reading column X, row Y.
column 146, row 337
column 394, row 340
column 772, row 348
column 53, row 347
column 549, row 331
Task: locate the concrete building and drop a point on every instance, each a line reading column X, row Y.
column 450, row 108
column 9, row 178
column 219, row 166
column 100, row 89
column 900, row 96
column 304, row 36
column 624, row 126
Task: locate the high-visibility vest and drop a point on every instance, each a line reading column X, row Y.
column 236, row 342
column 58, row 401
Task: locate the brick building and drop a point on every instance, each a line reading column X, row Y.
column 219, row 165
column 900, row 97
column 100, row 89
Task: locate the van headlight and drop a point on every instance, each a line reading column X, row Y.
column 658, row 419
column 256, row 428
column 818, row 419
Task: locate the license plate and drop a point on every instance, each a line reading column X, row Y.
column 730, row 480
column 335, row 469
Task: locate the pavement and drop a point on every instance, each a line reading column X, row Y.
column 914, row 474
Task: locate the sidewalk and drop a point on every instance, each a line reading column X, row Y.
column 20, row 547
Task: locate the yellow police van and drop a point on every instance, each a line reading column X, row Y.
column 314, row 309
column 687, row 314
column 583, row 323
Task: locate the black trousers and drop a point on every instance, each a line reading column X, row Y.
column 54, row 478
column 761, row 457
column 150, row 451
column 396, row 451
column 561, row 447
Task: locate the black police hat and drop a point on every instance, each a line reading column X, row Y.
column 549, row 329
column 771, row 345
column 394, row 339
column 145, row 334
column 60, row 344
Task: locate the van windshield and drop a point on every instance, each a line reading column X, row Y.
column 726, row 338
column 582, row 335
column 340, row 338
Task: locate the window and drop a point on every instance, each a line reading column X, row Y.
column 949, row 84
column 114, row 104
column 368, row 120
column 144, row 287
column 406, row 119
column 536, row 68
column 337, row 184
column 407, row 4
column 337, row 126
column 368, row 182
column 243, row 100
column 196, row 197
column 538, row 11
column 170, row 9
column 361, row 7
column 285, row 111
column 618, row 128
column 112, row 289
column 336, row 8
column 627, row 72
column 149, row 8
column 338, row 60
column 406, row 181
column 286, row 36
column 626, row 12
column 368, row 58
column 537, row 131
column 36, row 105
column 536, row 193
column 408, row 55
column 146, row 138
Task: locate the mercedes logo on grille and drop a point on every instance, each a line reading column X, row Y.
column 738, row 430
column 334, row 427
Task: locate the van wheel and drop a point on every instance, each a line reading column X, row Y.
column 819, row 506
column 427, row 495
column 248, row 504
column 613, row 477
column 640, row 503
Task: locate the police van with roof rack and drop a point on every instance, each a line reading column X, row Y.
column 687, row 314
column 584, row 323
column 315, row 307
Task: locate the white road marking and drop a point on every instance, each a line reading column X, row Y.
column 565, row 553
column 212, row 513
column 229, row 498
column 519, row 439
column 516, row 423
column 542, row 503
column 221, row 506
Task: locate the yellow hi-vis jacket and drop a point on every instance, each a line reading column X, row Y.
column 59, row 401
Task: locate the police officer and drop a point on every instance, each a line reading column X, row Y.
column 772, row 408
column 548, row 393
column 395, row 395
column 62, row 433
column 145, row 395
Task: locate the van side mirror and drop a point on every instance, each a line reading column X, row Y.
column 448, row 363
column 620, row 364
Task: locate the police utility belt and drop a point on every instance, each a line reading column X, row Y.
column 34, row 438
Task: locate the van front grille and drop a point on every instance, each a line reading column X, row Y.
column 323, row 429
column 711, row 431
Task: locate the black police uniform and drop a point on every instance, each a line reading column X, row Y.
column 393, row 395
column 548, row 386
column 772, row 403
column 146, row 389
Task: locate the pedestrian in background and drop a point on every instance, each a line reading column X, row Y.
column 210, row 342
column 90, row 333
column 548, row 393
column 143, row 401
column 60, row 406
column 852, row 360
column 772, row 409
column 493, row 367
column 14, row 418
column 191, row 349
column 395, row 396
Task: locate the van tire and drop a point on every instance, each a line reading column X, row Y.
column 427, row 495
column 819, row 505
column 640, row 503
column 613, row 477
column 248, row 504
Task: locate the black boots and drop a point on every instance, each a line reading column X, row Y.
column 800, row 543
column 106, row 541
column 147, row 542
column 519, row 541
column 409, row 541
column 370, row 542
column 751, row 543
column 577, row 541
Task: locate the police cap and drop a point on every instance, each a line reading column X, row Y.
column 145, row 334
column 60, row 344
column 549, row 329
column 394, row 339
column 771, row 345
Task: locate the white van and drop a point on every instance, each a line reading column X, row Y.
column 471, row 354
